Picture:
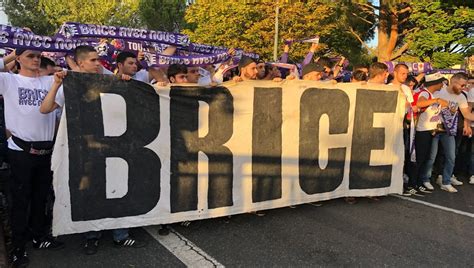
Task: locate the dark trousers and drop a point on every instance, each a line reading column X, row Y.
column 30, row 186
column 408, row 166
column 3, row 138
column 463, row 157
column 423, row 141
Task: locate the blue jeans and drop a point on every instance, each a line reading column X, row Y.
column 118, row 234
column 449, row 147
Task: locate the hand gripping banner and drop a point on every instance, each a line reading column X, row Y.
column 129, row 155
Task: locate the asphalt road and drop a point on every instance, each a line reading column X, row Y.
column 391, row 232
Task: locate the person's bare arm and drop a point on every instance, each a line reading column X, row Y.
column 10, row 57
column 10, row 67
column 423, row 102
column 338, row 67
column 72, row 64
column 157, row 74
column 49, row 103
column 169, row 51
column 466, row 112
column 419, row 77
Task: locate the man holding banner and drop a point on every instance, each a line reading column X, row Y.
column 87, row 60
column 29, row 150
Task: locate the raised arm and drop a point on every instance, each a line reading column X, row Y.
column 286, row 50
column 310, row 54
column 49, row 103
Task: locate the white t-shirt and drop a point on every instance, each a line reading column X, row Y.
column 429, row 118
column 406, row 91
column 459, row 99
column 23, row 97
column 470, row 95
column 141, row 75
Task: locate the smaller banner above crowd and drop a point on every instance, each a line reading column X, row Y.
column 111, row 40
column 75, row 30
column 413, row 67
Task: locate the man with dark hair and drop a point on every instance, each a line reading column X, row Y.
column 177, row 74
column 87, row 61
column 247, row 68
column 412, row 82
column 193, row 74
column 127, row 64
column 358, row 76
column 47, row 66
column 260, row 69
column 378, row 73
column 362, row 67
column 313, row 71
column 326, row 63
column 29, row 151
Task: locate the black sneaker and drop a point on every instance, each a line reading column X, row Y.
column 91, row 245
column 129, row 242
column 424, row 190
column 20, row 258
column 415, row 192
column 47, row 243
column 408, row 191
column 164, row 230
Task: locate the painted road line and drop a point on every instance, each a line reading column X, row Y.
column 460, row 212
column 186, row 251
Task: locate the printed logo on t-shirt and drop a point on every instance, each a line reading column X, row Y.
column 435, row 118
column 31, row 97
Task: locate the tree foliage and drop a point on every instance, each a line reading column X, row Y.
column 443, row 33
column 121, row 13
column 26, row 13
column 163, row 15
column 251, row 26
column 440, row 32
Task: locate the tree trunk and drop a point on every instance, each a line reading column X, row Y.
column 387, row 32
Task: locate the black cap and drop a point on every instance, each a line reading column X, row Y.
column 20, row 51
column 244, row 61
column 312, row 67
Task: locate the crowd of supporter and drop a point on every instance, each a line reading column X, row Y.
column 437, row 126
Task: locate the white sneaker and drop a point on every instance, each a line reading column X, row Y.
column 455, row 182
column 471, row 180
column 439, row 180
column 449, row 188
column 428, row 185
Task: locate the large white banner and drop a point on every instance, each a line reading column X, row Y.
column 127, row 155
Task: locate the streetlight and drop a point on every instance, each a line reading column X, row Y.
column 275, row 41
